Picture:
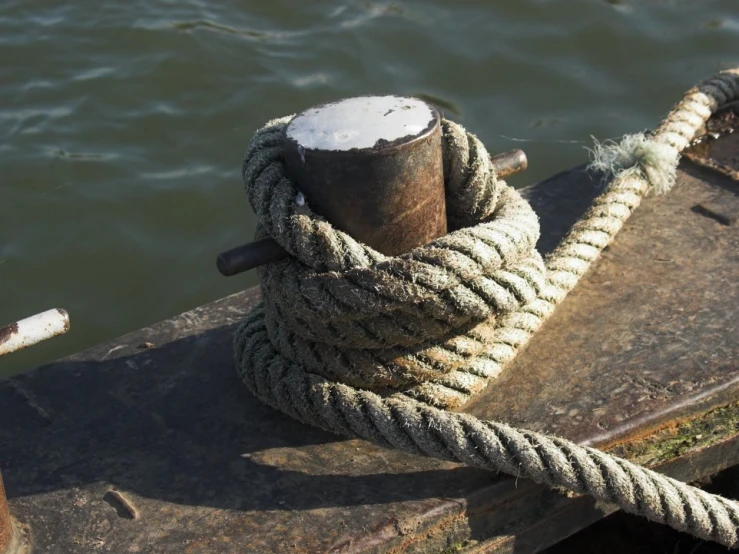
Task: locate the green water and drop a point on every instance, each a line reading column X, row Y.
column 122, row 124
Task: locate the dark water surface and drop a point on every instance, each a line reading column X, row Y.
column 122, row 124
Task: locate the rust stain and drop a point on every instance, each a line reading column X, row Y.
column 6, row 530
column 443, row 530
column 7, row 332
column 428, row 528
column 65, row 318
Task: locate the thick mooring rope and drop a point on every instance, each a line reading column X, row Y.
column 379, row 348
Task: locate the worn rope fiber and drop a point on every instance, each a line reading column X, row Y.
column 381, row 348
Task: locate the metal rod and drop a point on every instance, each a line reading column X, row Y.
column 252, row 255
column 509, row 163
column 6, row 523
column 32, row 330
column 248, row 256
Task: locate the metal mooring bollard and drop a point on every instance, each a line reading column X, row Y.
column 13, row 337
column 372, row 166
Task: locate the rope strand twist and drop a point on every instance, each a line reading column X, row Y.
column 381, row 348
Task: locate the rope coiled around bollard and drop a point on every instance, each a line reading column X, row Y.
column 380, row 348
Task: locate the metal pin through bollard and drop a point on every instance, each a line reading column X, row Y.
column 372, row 167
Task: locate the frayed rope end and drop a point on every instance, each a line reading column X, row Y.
column 636, row 153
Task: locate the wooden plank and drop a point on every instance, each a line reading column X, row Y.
column 640, row 359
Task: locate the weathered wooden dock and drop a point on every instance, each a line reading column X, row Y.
column 150, row 443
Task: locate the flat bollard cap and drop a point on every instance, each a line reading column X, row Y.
column 363, row 123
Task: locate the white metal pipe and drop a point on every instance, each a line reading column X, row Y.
column 32, row 330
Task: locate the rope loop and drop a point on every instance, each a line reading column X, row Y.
column 383, row 322
column 380, row 348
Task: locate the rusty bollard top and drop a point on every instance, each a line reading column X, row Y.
column 372, row 166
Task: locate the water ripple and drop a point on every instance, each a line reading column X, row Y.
column 123, row 124
column 94, row 73
column 213, row 26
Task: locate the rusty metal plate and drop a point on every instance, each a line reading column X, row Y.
column 149, row 443
column 719, row 155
